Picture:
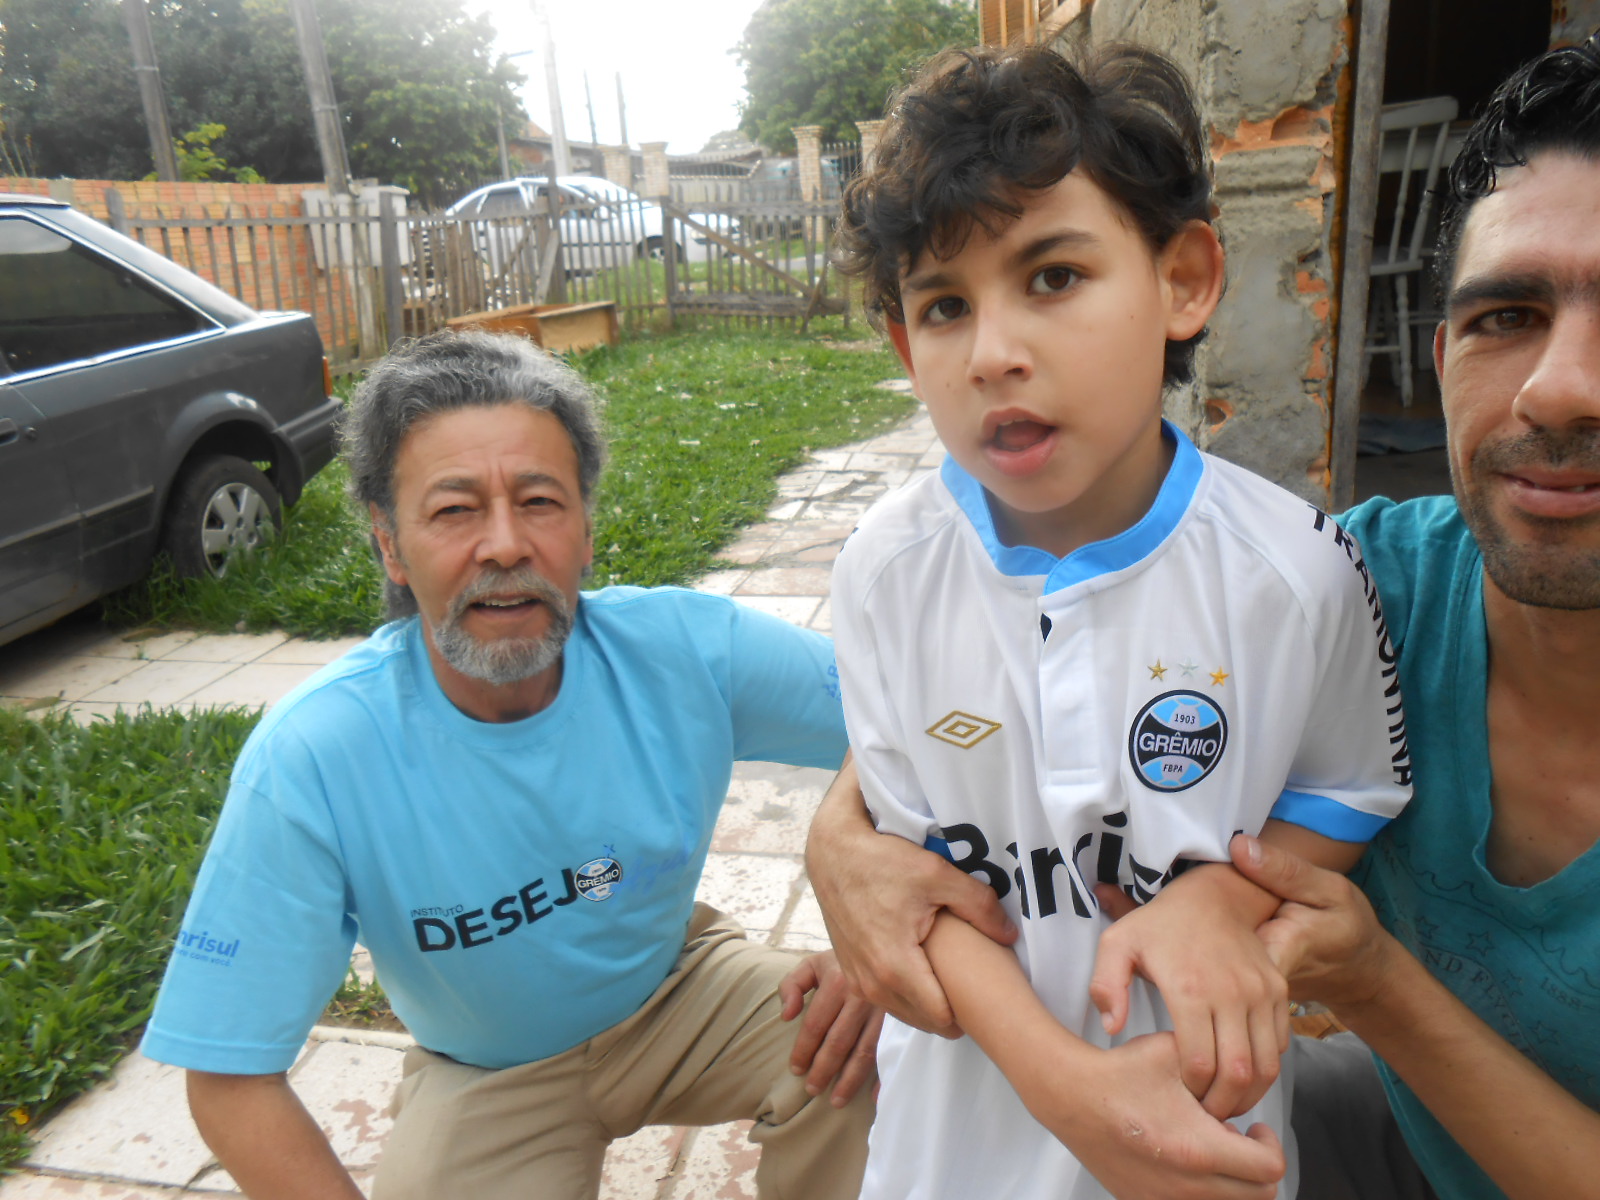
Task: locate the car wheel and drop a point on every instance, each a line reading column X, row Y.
column 651, row 248
column 222, row 508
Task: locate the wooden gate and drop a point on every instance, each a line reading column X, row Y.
column 752, row 259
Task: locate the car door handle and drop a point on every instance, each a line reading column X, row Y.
column 9, row 431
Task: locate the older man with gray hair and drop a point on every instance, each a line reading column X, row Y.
column 507, row 795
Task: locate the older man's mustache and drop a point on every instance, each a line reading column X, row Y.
column 498, row 583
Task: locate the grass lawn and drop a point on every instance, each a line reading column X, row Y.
column 701, row 425
column 100, row 833
column 101, row 829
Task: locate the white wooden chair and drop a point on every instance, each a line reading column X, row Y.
column 1415, row 141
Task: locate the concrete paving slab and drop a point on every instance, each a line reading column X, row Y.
column 347, row 1089
column 166, row 681
column 797, row 610
column 721, row 583
column 805, row 929
column 785, row 511
column 303, row 652
column 638, row 1167
column 115, row 1131
column 746, row 551
column 786, row 581
column 822, row 619
column 753, row 888
column 143, row 644
column 253, row 685
column 72, row 677
column 769, row 808
column 30, row 1186
column 228, row 647
column 718, row 1164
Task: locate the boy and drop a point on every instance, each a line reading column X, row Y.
column 1084, row 653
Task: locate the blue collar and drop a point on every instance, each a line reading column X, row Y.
column 1132, row 545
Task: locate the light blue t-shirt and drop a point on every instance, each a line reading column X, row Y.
column 521, row 886
column 1526, row 960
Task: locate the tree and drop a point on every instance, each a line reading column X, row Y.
column 834, row 62
column 417, row 83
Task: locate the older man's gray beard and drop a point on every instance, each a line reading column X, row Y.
column 510, row 659
column 1541, row 571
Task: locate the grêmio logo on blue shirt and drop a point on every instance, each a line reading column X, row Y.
column 595, row 880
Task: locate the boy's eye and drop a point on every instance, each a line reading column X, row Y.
column 1051, row 280
column 946, row 308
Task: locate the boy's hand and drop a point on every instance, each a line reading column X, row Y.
column 1138, row 1131
column 839, row 1037
column 1229, row 1003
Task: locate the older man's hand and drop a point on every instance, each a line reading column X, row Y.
column 838, row 1040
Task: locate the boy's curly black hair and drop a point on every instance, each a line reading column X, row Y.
column 976, row 130
column 1550, row 103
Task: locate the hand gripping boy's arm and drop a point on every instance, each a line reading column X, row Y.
column 1122, row 1112
column 1197, row 943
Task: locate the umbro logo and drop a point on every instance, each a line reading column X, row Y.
column 962, row 729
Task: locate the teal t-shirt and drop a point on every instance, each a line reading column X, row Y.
column 521, row 886
column 1526, row 960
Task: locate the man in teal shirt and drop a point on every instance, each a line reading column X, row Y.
column 1474, row 973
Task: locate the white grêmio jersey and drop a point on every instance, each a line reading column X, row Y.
column 1109, row 716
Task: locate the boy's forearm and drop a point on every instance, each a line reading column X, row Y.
column 995, row 1003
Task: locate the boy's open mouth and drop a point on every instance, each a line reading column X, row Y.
column 1016, row 436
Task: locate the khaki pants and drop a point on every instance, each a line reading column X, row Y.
column 708, row 1047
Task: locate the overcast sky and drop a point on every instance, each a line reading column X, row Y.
column 679, row 81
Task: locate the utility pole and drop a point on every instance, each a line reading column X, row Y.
column 558, row 128
column 324, row 109
column 622, row 111
column 588, row 98
column 137, row 18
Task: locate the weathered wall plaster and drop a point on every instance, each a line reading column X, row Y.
column 1266, row 76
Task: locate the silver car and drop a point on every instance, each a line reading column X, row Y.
column 602, row 224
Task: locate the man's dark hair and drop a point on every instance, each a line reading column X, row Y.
column 976, row 130
column 1550, row 103
column 447, row 371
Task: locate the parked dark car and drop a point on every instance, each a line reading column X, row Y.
column 141, row 410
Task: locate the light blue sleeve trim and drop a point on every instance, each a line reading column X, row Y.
column 1328, row 817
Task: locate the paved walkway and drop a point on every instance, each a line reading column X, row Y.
column 132, row 1138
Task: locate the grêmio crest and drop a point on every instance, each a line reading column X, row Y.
column 1177, row 740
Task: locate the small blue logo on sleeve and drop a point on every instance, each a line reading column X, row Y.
column 1177, row 740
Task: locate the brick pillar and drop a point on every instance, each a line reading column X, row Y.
column 871, row 131
column 619, row 164
column 808, row 144
column 657, row 175
column 808, row 140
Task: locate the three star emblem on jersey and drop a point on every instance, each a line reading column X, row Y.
column 1177, row 740
column 962, row 729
